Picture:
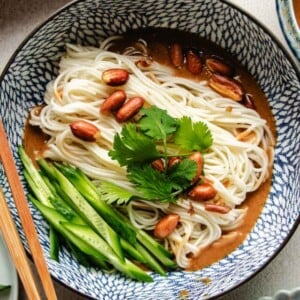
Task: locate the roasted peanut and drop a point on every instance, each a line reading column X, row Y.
column 85, row 131
column 166, row 226
column 158, row 165
column 115, row 77
column 176, row 55
column 217, row 66
column 193, row 62
column 248, row 101
column 217, row 208
column 113, row 102
column 197, row 157
column 173, row 161
column 129, row 109
column 226, row 86
column 202, row 192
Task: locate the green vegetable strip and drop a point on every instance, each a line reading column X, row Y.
column 89, row 191
column 89, row 214
column 81, row 257
column 47, row 168
column 54, row 244
column 33, row 173
column 132, row 251
column 156, row 249
column 40, row 194
column 69, row 193
column 145, row 238
column 137, row 272
column 113, row 217
column 95, row 242
column 150, row 260
column 60, row 204
column 55, row 219
column 44, row 194
column 52, row 198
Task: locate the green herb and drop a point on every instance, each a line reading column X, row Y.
column 193, row 136
column 157, row 124
column 182, row 173
column 151, row 183
column 154, row 185
column 112, row 193
column 138, row 145
column 133, row 147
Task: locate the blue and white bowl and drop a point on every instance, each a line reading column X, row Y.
column 35, row 63
column 288, row 24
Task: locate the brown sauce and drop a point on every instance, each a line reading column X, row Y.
column 34, row 141
column 158, row 42
column 231, row 240
column 296, row 5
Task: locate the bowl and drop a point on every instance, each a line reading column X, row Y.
column 284, row 295
column 35, row 63
column 288, row 14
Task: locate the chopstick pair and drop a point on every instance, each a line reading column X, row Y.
column 10, row 232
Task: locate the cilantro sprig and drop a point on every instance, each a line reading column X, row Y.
column 137, row 146
column 193, row 136
column 111, row 193
column 133, row 147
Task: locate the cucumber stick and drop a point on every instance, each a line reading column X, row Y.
column 90, row 193
column 73, row 206
column 55, row 219
column 89, row 214
column 34, row 179
column 97, row 243
column 119, row 222
column 54, row 244
column 156, row 249
column 132, row 252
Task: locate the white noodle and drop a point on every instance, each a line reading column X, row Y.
column 239, row 155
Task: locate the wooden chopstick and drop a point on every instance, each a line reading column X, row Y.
column 25, row 215
column 16, row 249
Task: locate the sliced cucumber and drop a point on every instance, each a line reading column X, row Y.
column 98, row 244
column 89, row 214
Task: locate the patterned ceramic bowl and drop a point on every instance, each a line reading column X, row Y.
column 287, row 19
column 35, row 63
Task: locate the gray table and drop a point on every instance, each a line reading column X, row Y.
column 19, row 17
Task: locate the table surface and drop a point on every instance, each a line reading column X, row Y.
column 19, row 17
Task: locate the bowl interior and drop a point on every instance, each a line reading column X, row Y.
column 86, row 22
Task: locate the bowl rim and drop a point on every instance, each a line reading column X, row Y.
column 266, row 30
column 56, row 12
column 290, row 39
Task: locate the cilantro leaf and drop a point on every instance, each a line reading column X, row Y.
column 152, row 184
column 193, row 136
column 133, row 147
column 183, row 172
column 112, row 193
column 157, row 124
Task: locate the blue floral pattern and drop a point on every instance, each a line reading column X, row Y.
column 87, row 22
